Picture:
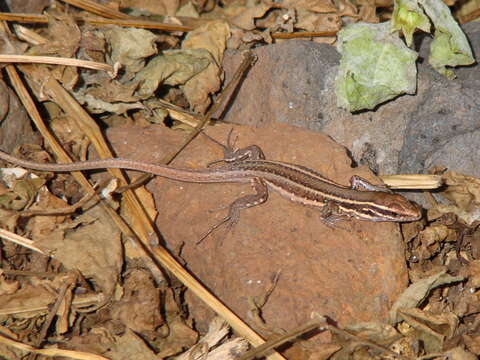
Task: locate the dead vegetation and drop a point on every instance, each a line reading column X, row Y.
column 83, row 272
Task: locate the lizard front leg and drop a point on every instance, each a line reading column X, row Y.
column 359, row 183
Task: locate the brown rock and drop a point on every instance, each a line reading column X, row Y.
column 351, row 273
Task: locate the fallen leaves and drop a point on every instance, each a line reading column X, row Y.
column 112, row 299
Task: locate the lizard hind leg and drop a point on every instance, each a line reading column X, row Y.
column 244, row 202
column 232, row 154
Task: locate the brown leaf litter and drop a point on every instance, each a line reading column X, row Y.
column 80, row 275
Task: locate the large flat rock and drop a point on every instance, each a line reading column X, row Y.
column 352, row 272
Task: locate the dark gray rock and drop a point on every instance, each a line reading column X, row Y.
column 443, row 128
column 293, row 82
column 287, row 84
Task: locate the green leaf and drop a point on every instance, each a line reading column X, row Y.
column 408, row 16
column 375, row 67
column 450, row 46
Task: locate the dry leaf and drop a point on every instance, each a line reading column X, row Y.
column 98, row 106
column 27, row 302
column 459, row 353
column 42, row 226
column 130, row 47
column 408, row 346
column 130, row 346
column 368, row 11
column 8, row 287
column 92, row 245
column 346, row 8
column 212, row 347
column 472, row 342
column 377, row 332
column 430, row 240
column 244, row 17
column 188, row 10
column 65, row 316
column 180, row 336
column 67, row 131
column 318, row 22
column 277, row 20
column 172, row 67
column 146, row 199
column 318, row 6
column 464, row 193
column 63, row 40
column 212, row 37
column 432, row 329
column 418, row 291
column 472, row 272
column 22, row 192
column 139, row 307
column 110, row 90
column 161, row 7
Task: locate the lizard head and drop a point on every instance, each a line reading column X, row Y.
column 394, row 207
column 388, row 207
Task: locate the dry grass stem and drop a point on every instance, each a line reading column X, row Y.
column 29, row 59
column 130, row 22
column 20, row 240
column 80, row 355
column 413, row 181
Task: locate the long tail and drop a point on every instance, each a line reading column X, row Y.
column 187, row 175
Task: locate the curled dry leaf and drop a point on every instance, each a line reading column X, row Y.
column 459, row 353
column 29, row 301
column 318, row 6
column 110, row 90
column 41, row 226
column 464, row 193
column 172, row 67
column 99, row 106
column 180, row 336
column 8, row 287
column 22, row 191
column 139, row 307
column 130, row 47
column 430, row 239
column 147, row 201
column 63, row 40
column 472, row 272
column 367, row 11
column 244, row 16
column 376, row 332
column 418, row 291
column 128, row 346
column 91, row 244
column 65, row 316
column 211, row 37
column 318, row 22
column 472, row 342
column 432, row 329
